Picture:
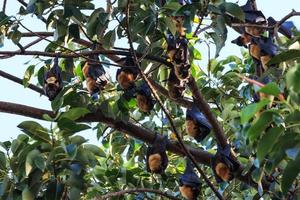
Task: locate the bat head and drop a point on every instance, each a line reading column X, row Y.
column 198, row 124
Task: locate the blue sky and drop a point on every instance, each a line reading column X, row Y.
column 12, row 92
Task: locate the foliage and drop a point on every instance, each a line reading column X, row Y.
column 58, row 163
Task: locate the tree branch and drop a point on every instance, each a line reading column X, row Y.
column 139, row 190
column 279, row 23
column 4, row 6
column 24, row 48
column 129, row 128
column 20, row 81
column 204, row 107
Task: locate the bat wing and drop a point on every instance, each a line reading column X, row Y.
column 198, row 116
column 266, row 45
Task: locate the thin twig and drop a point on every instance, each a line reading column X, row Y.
column 4, row 6
column 24, row 48
column 136, row 190
column 173, row 127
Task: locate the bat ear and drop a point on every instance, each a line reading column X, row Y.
column 249, row 6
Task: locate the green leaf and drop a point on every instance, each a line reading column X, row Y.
column 4, row 19
column 75, row 193
column 249, row 111
column 234, row 10
column 69, row 127
column 73, row 31
column 260, row 125
column 267, row 142
column 95, row 150
column 171, row 25
column 290, row 173
column 293, row 79
column 293, row 117
column 75, row 113
column 271, row 89
column 34, row 159
column 2, row 161
column 27, row 194
column 93, row 22
column 285, row 56
column 78, row 140
column 109, row 39
column 35, row 131
column 28, row 73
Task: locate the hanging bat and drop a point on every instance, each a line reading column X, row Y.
column 144, row 98
column 224, row 167
column 175, row 86
column 181, row 59
column 53, row 81
column 127, row 75
column 95, row 76
column 197, row 126
column 157, row 159
column 189, row 182
column 178, row 54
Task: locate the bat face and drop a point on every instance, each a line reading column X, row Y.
column 187, row 192
column 91, row 85
column 170, row 54
column 126, row 80
column 179, row 25
column 223, row 171
column 254, row 31
column 182, row 71
column 175, row 86
column 264, row 60
column 155, row 163
column 192, row 128
column 52, row 86
column 254, row 51
column 175, row 92
column 85, row 70
column 144, row 103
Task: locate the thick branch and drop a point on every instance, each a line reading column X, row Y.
column 139, row 190
column 125, row 127
column 204, row 107
column 20, row 81
column 129, row 128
